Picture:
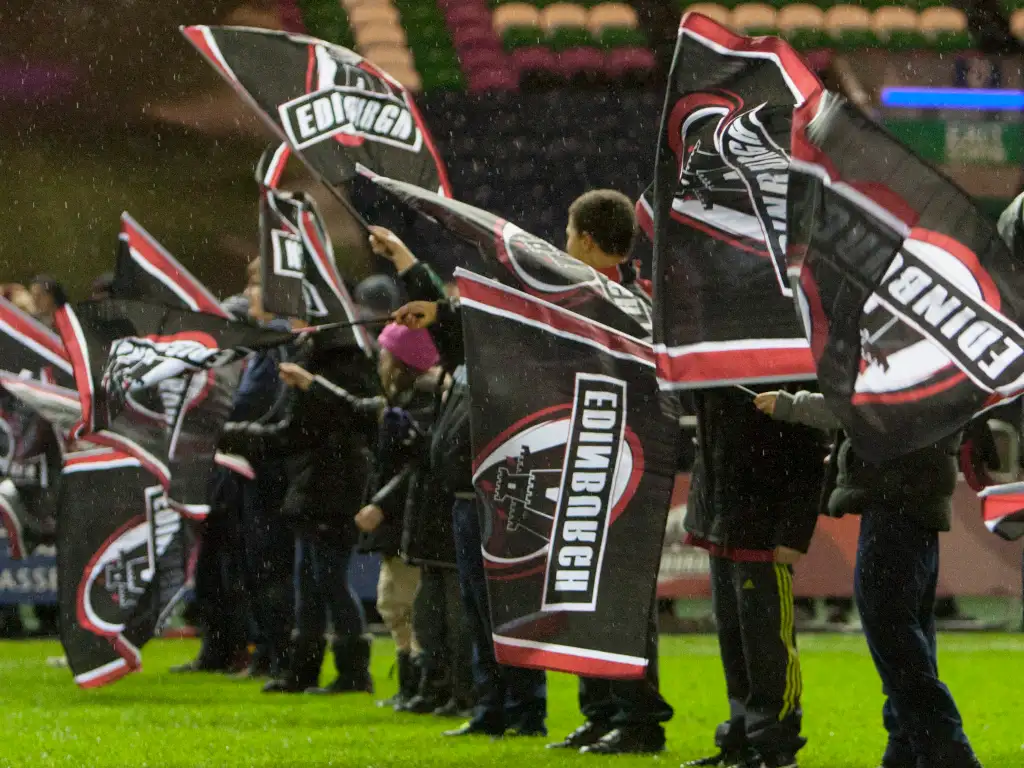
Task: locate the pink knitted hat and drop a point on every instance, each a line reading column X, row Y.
column 414, row 347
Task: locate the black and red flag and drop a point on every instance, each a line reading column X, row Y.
column 146, row 271
column 574, row 462
column 157, row 382
column 32, row 411
column 332, row 106
column 1002, row 510
column 121, row 562
column 300, row 276
column 716, row 212
column 526, row 262
column 912, row 301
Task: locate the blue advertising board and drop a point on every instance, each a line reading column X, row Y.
column 33, row 580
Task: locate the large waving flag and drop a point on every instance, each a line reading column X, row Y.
column 121, row 555
column 526, row 262
column 912, row 301
column 574, row 461
column 332, row 107
column 716, row 212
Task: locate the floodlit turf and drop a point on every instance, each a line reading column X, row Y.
column 157, row 720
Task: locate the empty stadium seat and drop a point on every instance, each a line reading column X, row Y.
column 753, row 18
column 849, row 26
column 366, row 15
column 713, row 11
column 380, row 34
column 896, row 27
column 945, row 28
column 470, row 13
column 621, row 37
column 351, row 5
column 611, row 15
column 563, row 15
column 803, row 25
column 515, row 15
column 1017, row 23
column 389, row 57
column 477, row 59
column 493, row 80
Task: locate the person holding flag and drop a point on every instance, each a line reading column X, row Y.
column 623, row 716
column 904, row 504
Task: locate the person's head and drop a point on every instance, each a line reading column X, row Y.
column 102, row 286
column 405, row 354
column 601, row 228
column 47, row 294
column 378, row 296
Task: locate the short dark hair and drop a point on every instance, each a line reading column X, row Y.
column 608, row 217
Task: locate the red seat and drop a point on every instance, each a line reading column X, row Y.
column 476, row 59
column 493, row 80
column 626, row 62
column 580, row 61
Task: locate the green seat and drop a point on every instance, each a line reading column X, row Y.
column 428, row 35
column 920, row 5
column 809, row 39
column 570, row 37
column 414, row 16
column 521, row 37
column 950, row 41
column 854, row 39
column 621, row 37
column 905, row 40
column 443, row 80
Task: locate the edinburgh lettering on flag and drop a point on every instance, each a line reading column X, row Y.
column 716, row 212
column 574, row 461
column 1002, row 509
column 121, row 555
column 299, row 274
column 332, row 106
column 911, row 299
column 526, row 262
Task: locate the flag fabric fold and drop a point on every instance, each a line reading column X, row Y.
column 528, row 263
column 574, row 462
column 121, row 559
column 333, row 107
column 716, row 212
column 912, row 301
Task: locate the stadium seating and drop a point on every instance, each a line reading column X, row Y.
column 915, row 25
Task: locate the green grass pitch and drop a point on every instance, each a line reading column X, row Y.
column 156, row 720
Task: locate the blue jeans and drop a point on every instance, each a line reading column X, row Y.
column 894, row 583
column 322, row 587
column 507, row 697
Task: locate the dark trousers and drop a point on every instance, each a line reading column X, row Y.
column 628, row 702
column 894, row 583
column 219, row 594
column 507, row 697
column 322, row 588
column 753, row 606
column 269, row 554
column 441, row 626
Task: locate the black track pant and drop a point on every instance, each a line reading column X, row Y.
column 753, row 605
column 620, row 703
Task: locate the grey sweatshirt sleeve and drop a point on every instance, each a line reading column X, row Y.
column 807, row 408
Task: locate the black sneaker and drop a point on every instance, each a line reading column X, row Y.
column 629, row 740
column 777, row 760
column 284, row 685
column 587, row 734
column 727, row 758
column 454, row 708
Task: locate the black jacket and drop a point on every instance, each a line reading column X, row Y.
column 324, row 438
column 919, row 484
column 451, row 452
column 400, row 457
column 755, row 482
